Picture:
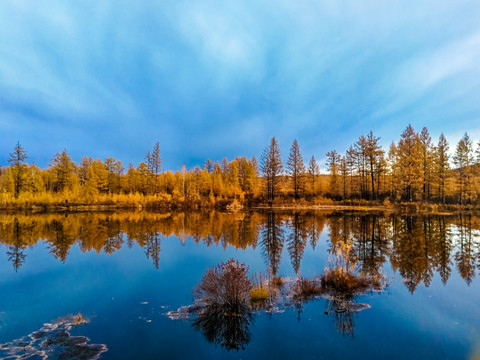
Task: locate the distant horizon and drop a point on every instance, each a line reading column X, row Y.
column 210, row 80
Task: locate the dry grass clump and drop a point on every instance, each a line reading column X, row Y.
column 340, row 276
column 258, row 294
column 343, row 281
column 224, row 296
column 260, row 291
column 226, row 285
column 78, row 319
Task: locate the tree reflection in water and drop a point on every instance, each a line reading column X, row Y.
column 272, row 239
column 416, row 246
column 16, row 250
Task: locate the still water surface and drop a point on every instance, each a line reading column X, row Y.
column 125, row 271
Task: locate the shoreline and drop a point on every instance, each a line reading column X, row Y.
column 232, row 206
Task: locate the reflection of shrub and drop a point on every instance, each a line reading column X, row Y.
column 230, row 331
column 225, row 285
column 258, row 294
column 304, row 289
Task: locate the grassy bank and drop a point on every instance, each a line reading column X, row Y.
column 69, row 201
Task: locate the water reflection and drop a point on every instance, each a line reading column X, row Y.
column 343, row 315
column 272, row 242
column 417, row 247
column 231, row 331
column 17, row 247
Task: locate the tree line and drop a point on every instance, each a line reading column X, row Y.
column 413, row 169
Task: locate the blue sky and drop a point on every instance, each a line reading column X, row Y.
column 209, row 79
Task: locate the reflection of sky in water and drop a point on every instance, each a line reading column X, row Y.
column 126, row 298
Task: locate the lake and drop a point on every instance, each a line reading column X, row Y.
column 126, row 272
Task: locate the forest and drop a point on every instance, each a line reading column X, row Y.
column 413, row 170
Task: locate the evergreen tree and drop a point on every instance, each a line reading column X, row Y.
column 296, row 168
column 272, row 167
column 17, row 159
column 154, row 162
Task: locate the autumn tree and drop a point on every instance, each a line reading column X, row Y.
column 271, row 167
column 17, row 159
column 63, row 169
column 115, row 170
column 350, row 161
column 255, row 166
column 154, row 162
column 98, row 177
column 247, row 175
column 409, row 161
column 83, row 168
column 209, row 166
column 313, row 172
column 360, row 162
column 441, row 165
column 343, row 170
column 463, row 160
column 373, row 156
column 333, row 163
column 427, row 162
column 233, row 178
column 32, row 179
column 225, row 166
column 392, row 166
column 296, row 168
